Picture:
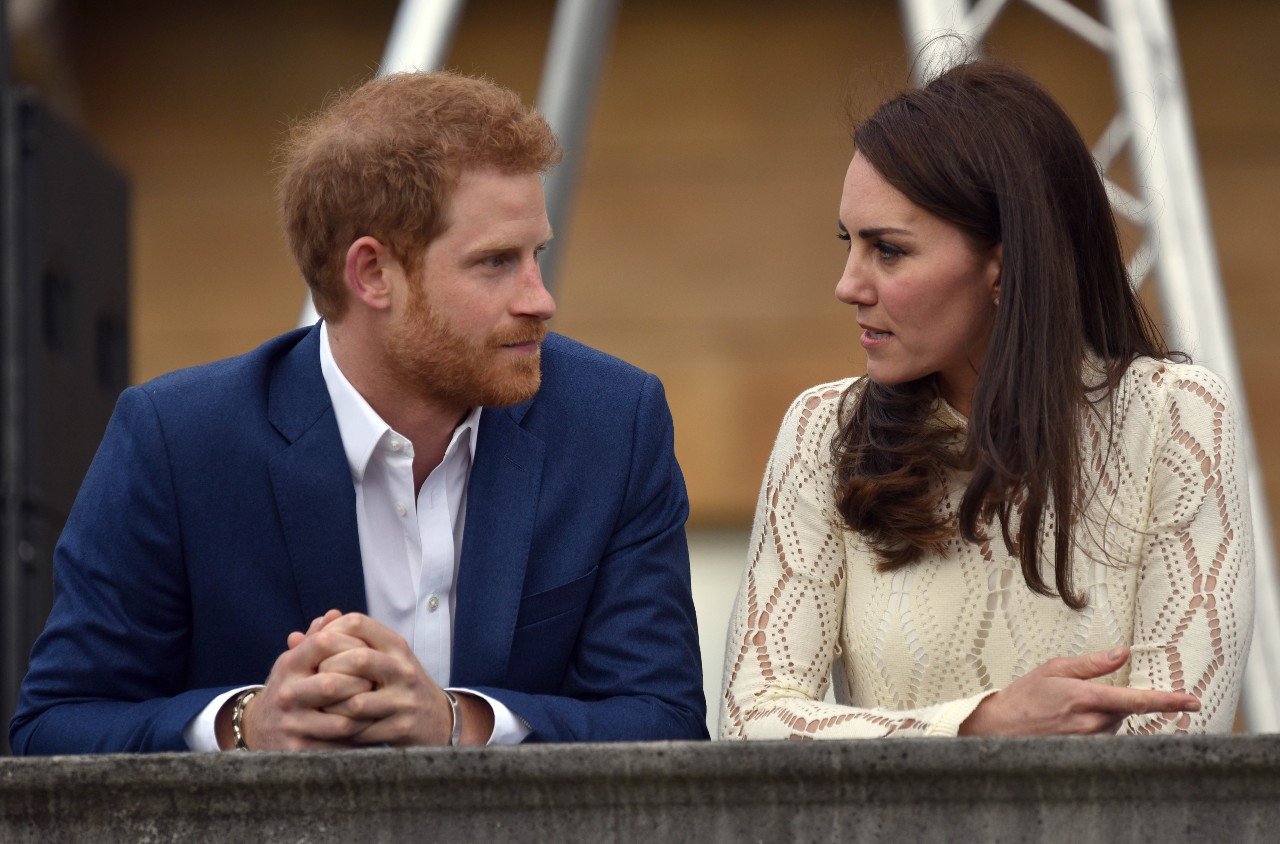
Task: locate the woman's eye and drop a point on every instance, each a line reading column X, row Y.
column 887, row 251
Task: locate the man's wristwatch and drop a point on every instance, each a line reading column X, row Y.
column 455, row 737
column 237, row 715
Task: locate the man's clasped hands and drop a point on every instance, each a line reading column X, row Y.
column 350, row 681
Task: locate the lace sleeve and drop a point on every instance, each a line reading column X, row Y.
column 1194, row 614
column 788, row 614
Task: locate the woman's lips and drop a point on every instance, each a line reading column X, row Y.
column 872, row 338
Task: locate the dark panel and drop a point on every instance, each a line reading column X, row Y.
column 71, row 296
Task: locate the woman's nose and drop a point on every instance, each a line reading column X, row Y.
column 854, row 287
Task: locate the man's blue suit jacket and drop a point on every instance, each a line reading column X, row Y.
column 219, row 515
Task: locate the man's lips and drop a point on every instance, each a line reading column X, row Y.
column 524, row 341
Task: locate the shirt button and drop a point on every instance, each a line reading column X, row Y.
column 433, row 604
column 400, row 508
column 396, row 445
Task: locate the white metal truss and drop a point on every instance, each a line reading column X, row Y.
column 1138, row 38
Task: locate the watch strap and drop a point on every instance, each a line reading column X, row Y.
column 455, row 735
column 237, row 715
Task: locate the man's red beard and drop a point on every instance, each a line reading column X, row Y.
column 430, row 357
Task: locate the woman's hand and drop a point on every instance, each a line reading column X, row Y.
column 1058, row 699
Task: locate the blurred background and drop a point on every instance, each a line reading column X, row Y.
column 701, row 245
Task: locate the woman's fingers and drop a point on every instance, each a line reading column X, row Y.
column 1087, row 666
column 1058, row 699
column 1116, row 700
column 1121, row 700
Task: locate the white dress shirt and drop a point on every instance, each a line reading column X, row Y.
column 410, row 544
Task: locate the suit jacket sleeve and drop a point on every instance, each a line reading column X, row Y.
column 636, row 671
column 109, row 672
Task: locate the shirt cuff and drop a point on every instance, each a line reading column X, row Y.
column 508, row 728
column 201, row 732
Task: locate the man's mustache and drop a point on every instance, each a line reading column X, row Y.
column 533, row 333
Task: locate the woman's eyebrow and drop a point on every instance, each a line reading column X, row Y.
column 867, row 234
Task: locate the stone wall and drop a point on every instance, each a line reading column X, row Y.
column 1087, row 789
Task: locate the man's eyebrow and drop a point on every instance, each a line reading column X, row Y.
column 486, row 247
column 495, row 246
column 868, row 234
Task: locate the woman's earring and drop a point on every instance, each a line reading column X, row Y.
column 997, row 301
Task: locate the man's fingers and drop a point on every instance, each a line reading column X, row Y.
column 315, row 649
column 367, row 706
column 322, row 690
column 315, row 744
column 320, row 729
column 379, row 636
column 319, row 624
column 374, row 666
column 393, row 731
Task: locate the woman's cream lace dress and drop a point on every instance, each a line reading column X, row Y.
column 1164, row 554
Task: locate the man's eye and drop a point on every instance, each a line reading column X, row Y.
column 495, row 261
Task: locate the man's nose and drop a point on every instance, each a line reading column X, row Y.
column 535, row 299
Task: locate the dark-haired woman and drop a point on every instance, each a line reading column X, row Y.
column 1029, row 517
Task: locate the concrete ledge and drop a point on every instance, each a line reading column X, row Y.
column 1086, row 789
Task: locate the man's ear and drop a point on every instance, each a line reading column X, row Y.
column 370, row 272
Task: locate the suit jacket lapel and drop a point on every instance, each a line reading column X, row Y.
column 312, row 483
column 502, row 500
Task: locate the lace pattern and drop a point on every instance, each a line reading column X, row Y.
column 1163, row 552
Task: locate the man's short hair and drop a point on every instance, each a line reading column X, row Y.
column 383, row 159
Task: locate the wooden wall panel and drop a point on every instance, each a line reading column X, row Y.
column 702, row 243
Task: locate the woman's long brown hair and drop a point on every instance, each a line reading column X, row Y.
column 984, row 147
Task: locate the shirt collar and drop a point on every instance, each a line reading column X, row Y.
column 359, row 425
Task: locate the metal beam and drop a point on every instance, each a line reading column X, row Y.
column 421, row 35
column 420, row 38
column 580, row 37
